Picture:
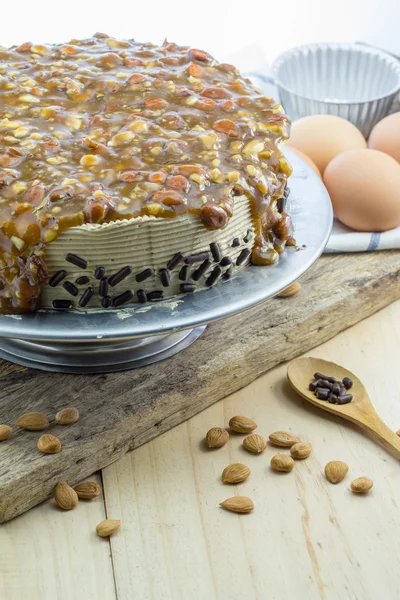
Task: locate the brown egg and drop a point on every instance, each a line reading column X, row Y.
column 364, row 186
column 306, row 159
column 385, row 136
column 322, row 137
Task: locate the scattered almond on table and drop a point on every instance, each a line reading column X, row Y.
column 361, row 485
column 242, row 424
column 33, row 421
column 108, row 527
column 217, row 437
column 290, row 291
column 282, row 462
column 49, row 444
column 336, row 471
column 65, row 496
column 67, row 416
column 238, row 504
column 87, row 490
column 255, row 443
column 283, row 439
column 5, row 432
column 301, row 450
column 235, row 473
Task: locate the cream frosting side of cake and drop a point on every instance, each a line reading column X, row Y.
column 144, row 243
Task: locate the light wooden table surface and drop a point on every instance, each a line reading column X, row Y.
column 306, row 539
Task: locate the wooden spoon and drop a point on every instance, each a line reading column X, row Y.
column 359, row 411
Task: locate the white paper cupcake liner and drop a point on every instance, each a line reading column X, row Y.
column 352, row 81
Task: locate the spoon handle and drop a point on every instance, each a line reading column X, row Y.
column 379, row 430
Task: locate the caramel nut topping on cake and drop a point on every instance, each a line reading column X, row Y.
column 101, row 130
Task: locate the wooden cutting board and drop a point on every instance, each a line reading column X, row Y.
column 120, row 411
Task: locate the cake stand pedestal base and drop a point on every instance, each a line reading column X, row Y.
column 96, row 357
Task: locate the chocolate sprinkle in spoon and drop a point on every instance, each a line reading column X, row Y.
column 359, row 411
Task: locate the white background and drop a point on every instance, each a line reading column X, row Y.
column 221, row 27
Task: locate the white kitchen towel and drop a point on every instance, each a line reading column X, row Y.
column 253, row 64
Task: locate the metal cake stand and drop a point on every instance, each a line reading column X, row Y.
column 114, row 340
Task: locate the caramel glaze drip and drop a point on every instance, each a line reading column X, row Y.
column 100, row 130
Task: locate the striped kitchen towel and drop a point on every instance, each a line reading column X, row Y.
column 344, row 239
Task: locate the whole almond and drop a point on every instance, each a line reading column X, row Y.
column 284, row 439
column 49, row 444
column 255, row 443
column 238, row 504
column 242, row 424
column 235, row 473
column 398, row 432
column 282, row 462
column 67, row 416
column 5, row 432
column 290, row 291
column 33, row 421
column 87, row 490
column 217, row 437
column 361, row 485
column 108, row 527
column 301, row 450
column 336, row 470
column 65, row 496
